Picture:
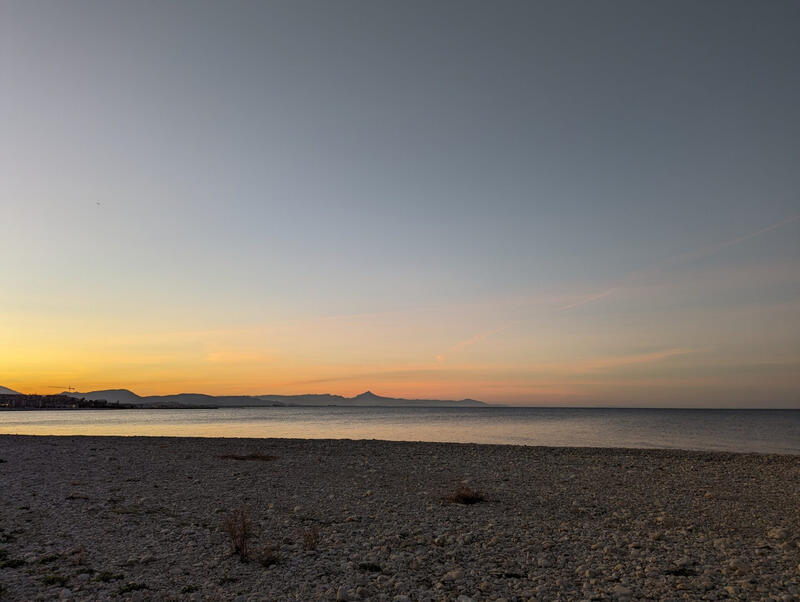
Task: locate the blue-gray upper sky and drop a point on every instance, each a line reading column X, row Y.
column 589, row 186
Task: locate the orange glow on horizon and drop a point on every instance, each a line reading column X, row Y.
column 551, row 357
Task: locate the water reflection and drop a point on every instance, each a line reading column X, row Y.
column 775, row 431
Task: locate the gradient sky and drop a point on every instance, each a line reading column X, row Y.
column 553, row 203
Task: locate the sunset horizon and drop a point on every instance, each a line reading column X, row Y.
column 510, row 204
column 498, row 362
column 399, row 301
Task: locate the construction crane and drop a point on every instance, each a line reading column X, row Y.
column 68, row 389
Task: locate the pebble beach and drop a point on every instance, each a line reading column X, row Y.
column 144, row 518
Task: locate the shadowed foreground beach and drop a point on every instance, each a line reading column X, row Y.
column 142, row 518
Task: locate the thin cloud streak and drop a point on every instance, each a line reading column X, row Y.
column 531, row 374
column 588, row 299
column 473, row 340
column 235, row 357
column 724, row 245
column 629, row 360
column 682, row 258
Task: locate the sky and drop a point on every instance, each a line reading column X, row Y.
column 548, row 203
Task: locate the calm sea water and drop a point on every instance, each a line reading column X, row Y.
column 766, row 431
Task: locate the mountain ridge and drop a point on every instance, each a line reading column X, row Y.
column 366, row 399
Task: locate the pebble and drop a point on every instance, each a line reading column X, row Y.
column 368, row 520
column 778, row 533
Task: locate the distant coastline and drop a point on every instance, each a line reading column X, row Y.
column 22, row 402
column 126, row 399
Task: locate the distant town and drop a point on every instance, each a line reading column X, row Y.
column 19, row 401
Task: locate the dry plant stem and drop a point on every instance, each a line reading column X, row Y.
column 239, row 528
column 465, row 495
column 311, row 538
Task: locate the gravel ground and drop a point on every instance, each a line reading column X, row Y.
column 97, row 518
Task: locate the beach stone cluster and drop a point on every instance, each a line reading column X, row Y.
column 115, row 518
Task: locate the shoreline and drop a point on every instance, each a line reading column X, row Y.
column 584, row 448
column 589, row 449
column 141, row 518
column 487, row 406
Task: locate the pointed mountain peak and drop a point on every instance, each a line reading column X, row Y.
column 366, row 395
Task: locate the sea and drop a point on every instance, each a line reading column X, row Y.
column 760, row 431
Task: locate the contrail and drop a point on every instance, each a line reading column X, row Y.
column 707, row 252
column 682, row 258
column 587, row 300
column 672, row 261
column 472, row 341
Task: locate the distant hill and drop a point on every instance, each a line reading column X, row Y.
column 367, row 399
column 114, row 395
column 7, row 391
column 180, row 399
column 199, row 399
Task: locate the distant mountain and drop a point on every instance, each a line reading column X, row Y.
column 312, row 399
column 7, row 391
column 180, row 399
column 199, row 399
column 366, row 399
column 113, row 395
